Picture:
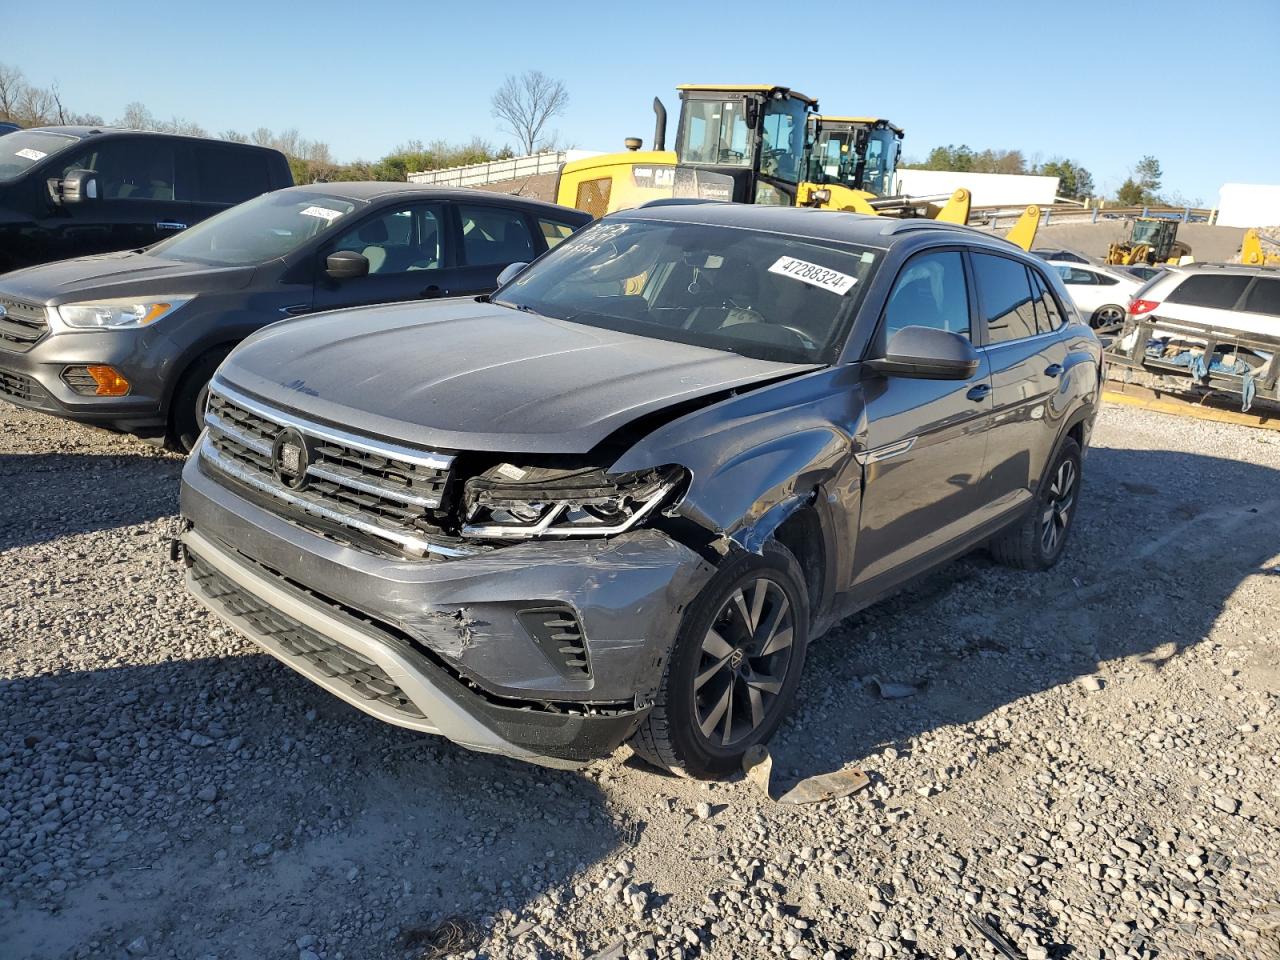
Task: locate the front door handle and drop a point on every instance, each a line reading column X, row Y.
column 432, row 292
column 1054, row 370
column 170, row 225
column 979, row 391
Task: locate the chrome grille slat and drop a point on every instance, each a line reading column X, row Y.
column 22, row 325
column 351, row 481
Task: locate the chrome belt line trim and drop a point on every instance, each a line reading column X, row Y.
column 885, row 452
column 434, row 461
column 416, row 544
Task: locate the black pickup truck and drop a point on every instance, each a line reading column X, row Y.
column 74, row 191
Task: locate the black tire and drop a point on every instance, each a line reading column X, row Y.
column 761, row 686
column 1029, row 544
column 1108, row 317
column 186, row 407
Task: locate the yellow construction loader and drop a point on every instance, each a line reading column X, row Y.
column 1149, row 240
column 756, row 143
column 1253, row 254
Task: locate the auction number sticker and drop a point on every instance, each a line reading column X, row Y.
column 324, row 213
column 28, row 154
column 814, row 275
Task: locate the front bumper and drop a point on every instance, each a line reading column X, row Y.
column 451, row 636
column 33, row 379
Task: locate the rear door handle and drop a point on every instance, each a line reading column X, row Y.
column 979, row 391
column 1054, row 370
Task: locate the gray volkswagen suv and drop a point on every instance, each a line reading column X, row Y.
column 618, row 498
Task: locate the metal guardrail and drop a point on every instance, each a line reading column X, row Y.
column 1076, row 213
column 493, row 171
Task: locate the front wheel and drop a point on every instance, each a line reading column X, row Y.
column 1036, row 541
column 186, row 416
column 734, row 668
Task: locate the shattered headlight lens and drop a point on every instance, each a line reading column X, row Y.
column 117, row 316
column 510, row 502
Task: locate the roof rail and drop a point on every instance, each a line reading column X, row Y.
column 895, row 227
column 676, row 202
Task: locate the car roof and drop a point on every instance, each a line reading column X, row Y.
column 1245, row 269
column 373, row 190
column 834, row 225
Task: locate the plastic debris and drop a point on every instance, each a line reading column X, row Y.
column 893, row 691
column 757, row 764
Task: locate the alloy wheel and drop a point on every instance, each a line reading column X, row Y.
column 1110, row 317
column 745, row 656
column 1060, row 498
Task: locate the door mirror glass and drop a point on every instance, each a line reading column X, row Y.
column 346, row 265
column 510, row 272
column 79, row 186
column 927, row 353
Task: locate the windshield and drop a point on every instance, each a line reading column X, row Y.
column 715, row 131
column 23, row 149
column 261, row 229
column 761, row 295
column 882, row 162
column 782, row 133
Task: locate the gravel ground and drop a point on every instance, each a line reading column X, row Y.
column 1090, row 762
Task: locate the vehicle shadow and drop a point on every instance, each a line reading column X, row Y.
column 64, row 494
column 316, row 821
column 1161, row 541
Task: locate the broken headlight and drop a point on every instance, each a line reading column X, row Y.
column 510, row 502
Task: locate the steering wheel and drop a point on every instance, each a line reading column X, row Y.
column 808, row 341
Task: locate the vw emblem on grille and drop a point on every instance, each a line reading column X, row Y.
column 289, row 459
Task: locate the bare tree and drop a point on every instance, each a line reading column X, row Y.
column 525, row 103
column 12, row 83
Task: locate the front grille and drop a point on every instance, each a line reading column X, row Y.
column 22, row 324
column 388, row 494
column 365, row 678
column 17, row 386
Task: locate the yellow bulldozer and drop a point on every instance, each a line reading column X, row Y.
column 1254, row 254
column 1149, row 240
column 756, row 143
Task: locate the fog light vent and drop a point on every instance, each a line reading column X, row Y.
column 557, row 631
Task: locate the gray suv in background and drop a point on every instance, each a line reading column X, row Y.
column 616, row 500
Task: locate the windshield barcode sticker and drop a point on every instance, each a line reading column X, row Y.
column 814, row 275
column 28, row 154
column 324, row 213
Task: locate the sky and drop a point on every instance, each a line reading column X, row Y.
column 1191, row 83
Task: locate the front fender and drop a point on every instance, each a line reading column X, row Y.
column 755, row 457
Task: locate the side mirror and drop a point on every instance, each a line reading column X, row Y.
column 78, row 186
column 926, row 353
column 346, row 265
column 510, row 272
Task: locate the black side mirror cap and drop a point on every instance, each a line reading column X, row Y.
column 346, row 265
column 78, row 186
column 510, row 272
column 926, row 353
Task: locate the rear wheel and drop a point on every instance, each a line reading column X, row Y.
column 186, row 408
column 1036, row 541
column 734, row 669
column 1108, row 317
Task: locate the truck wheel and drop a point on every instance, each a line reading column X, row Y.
column 186, row 407
column 1036, row 541
column 734, row 668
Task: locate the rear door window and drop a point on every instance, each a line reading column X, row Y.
column 1075, row 276
column 1264, row 297
column 1048, row 315
column 228, row 175
column 554, row 231
column 494, row 235
column 1004, row 291
column 1210, row 290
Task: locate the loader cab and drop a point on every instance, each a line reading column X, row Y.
column 860, row 153
column 742, row 143
column 1156, row 233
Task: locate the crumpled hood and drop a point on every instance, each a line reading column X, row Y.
column 113, row 276
column 463, row 375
